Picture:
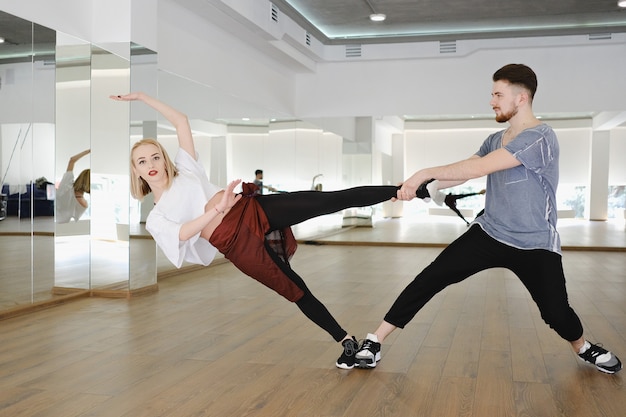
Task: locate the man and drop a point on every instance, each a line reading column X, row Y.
column 258, row 181
column 517, row 230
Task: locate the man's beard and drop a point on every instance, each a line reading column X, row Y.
column 505, row 117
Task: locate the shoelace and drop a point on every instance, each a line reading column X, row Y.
column 594, row 351
column 349, row 349
column 367, row 344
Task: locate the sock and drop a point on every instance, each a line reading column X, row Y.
column 583, row 349
column 372, row 337
column 351, row 338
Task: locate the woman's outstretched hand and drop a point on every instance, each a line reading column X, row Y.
column 127, row 97
column 229, row 198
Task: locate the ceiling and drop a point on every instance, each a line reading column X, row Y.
column 23, row 39
column 347, row 21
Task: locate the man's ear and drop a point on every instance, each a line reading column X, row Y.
column 524, row 97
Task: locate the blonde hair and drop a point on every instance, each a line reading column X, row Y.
column 139, row 188
column 83, row 182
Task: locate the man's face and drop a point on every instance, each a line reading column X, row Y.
column 504, row 100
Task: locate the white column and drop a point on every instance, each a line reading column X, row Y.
column 598, row 187
column 396, row 209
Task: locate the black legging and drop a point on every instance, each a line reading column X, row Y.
column 451, row 199
column 541, row 272
column 287, row 209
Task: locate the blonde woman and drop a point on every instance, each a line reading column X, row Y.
column 192, row 219
column 70, row 199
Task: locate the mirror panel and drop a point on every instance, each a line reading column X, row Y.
column 42, row 154
column 17, row 165
column 143, row 77
column 73, row 132
column 110, row 130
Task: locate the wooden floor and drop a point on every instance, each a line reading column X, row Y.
column 216, row 343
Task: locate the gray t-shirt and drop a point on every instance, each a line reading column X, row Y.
column 520, row 204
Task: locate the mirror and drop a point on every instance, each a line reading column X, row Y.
column 110, row 130
column 143, row 254
column 73, row 139
column 26, row 162
column 46, row 252
column 42, row 153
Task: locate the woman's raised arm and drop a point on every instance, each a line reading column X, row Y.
column 176, row 118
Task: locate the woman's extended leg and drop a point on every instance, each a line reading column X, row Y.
column 286, row 209
column 308, row 304
column 315, row 311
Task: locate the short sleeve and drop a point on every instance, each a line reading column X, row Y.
column 490, row 144
column 186, row 162
column 166, row 235
column 532, row 149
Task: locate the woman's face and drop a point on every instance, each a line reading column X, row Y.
column 148, row 163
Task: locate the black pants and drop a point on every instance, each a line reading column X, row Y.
column 287, row 209
column 541, row 272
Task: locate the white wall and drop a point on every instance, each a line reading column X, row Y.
column 190, row 47
column 289, row 157
column 432, row 147
column 617, row 158
column 577, row 76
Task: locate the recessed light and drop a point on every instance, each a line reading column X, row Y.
column 621, row 3
column 1, row 40
column 377, row 17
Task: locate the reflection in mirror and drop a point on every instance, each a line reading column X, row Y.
column 72, row 193
column 73, row 86
column 26, row 144
column 43, row 144
column 110, row 130
column 143, row 77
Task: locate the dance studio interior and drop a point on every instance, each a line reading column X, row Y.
column 321, row 95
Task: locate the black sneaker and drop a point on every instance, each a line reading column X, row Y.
column 346, row 360
column 604, row 360
column 368, row 354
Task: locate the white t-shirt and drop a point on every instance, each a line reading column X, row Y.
column 183, row 201
column 67, row 207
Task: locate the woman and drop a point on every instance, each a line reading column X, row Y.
column 192, row 219
column 70, row 196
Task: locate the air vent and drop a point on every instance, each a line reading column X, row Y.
column 599, row 36
column 353, row 51
column 307, row 39
column 448, row 47
column 274, row 12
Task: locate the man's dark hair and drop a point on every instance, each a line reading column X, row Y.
column 518, row 74
column 258, row 171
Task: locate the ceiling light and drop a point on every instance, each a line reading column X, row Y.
column 621, row 3
column 1, row 40
column 379, row 17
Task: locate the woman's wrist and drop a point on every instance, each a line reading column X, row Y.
column 218, row 210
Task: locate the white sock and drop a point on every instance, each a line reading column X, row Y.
column 586, row 346
column 372, row 337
